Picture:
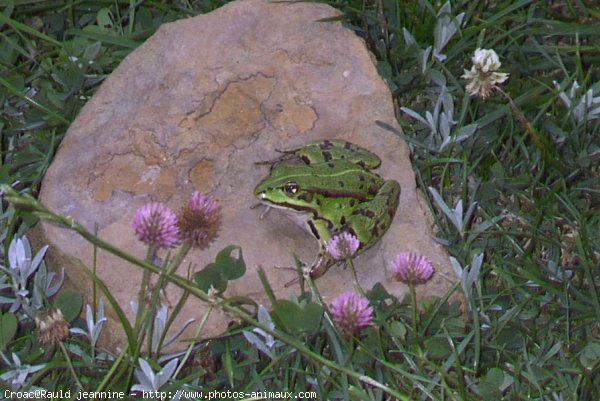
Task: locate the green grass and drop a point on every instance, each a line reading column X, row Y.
column 529, row 175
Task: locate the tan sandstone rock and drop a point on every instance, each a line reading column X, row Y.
column 193, row 109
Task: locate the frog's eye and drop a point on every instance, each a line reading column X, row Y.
column 291, row 187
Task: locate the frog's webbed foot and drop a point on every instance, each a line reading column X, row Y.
column 283, row 157
column 318, row 268
column 301, row 267
column 267, row 162
column 264, row 213
column 286, row 158
column 314, row 271
column 307, row 271
column 292, row 282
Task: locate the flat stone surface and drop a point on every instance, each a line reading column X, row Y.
column 194, row 108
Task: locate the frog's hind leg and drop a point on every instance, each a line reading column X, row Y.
column 374, row 217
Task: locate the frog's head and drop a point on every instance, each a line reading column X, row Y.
column 288, row 187
column 283, row 192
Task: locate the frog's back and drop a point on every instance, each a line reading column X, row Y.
column 327, row 150
column 341, row 176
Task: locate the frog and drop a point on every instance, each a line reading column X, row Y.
column 330, row 186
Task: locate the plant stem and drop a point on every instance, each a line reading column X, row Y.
column 70, row 365
column 357, row 285
column 413, row 301
column 539, row 141
column 138, row 326
column 40, row 211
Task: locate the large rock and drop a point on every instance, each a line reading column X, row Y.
column 193, row 109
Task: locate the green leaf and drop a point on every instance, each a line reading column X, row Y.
column 438, row 348
column 225, row 268
column 29, row 218
column 488, row 391
column 228, row 363
column 104, row 18
column 496, row 381
column 384, row 69
column 233, row 268
column 8, row 329
column 455, row 325
column 41, row 107
column 70, row 303
column 266, row 285
column 210, row 277
column 590, row 355
column 495, row 376
column 24, row 28
column 305, row 319
column 378, row 293
column 93, row 32
column 499, row 378
column 398, row 329
column 92, row 50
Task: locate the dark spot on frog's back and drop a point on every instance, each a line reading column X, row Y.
column 330, row 165
column 343, row 220
column 341, row 184
column 365, row 212
column 352, row 202
column 326, row 144
column 375, row 231
column 305, row 159
column 327, row 156
column 348, row 146
column 361, row 177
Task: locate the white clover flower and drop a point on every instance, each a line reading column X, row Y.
column 486, row 59
column 483, row 75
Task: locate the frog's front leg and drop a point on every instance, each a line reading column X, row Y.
column 323, row 261
column 321, row 230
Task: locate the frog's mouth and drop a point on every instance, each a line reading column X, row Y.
column 290, row 207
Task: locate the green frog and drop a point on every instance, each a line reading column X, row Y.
column 330, row 186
